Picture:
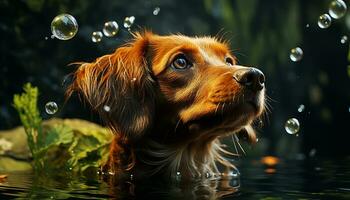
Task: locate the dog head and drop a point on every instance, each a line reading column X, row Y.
column 173, row 89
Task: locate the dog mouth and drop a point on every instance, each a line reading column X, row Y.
column 232, row 114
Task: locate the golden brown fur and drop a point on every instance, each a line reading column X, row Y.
column 168, row 119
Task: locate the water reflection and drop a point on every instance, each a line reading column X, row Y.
column 311, row 178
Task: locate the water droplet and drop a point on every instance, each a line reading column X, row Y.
column 324, row 21
column 301, row 108
column 96, row 36
column 64, row 27
column 344, row 39
column 70, row 169
column 133, row 79
column 129, row 21
column 52, row 37
column 131, row 176
column 46, row 38
column 51, row 107
column 110, row 28
column 51, row 197
column 156, row 11
column 257, row 139
column 337, row 9
column 296, row 54
column 307, row 25
column 292, row 126
column 106, row 108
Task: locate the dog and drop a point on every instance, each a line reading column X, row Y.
column 170, row 99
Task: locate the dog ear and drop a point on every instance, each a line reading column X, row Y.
column 120, row 88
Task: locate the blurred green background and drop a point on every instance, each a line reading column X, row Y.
column 261, row 34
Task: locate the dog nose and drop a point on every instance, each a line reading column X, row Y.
column 251, row 78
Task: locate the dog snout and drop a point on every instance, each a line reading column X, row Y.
column 251, row 78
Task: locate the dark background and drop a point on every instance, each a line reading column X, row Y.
column 261, row 34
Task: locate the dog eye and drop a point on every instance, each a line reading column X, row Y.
column 180, row 62
column 229, row 61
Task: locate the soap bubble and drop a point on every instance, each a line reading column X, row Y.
column 296, row 54
column 156, row 11
column 324, row 21
column 51, row 107
column 64, row 27
column 337, row 9
column 129, row 21
column 301, row 108
column 292, row 126
column 110, row 28
column 96, row 36
column 344, row 39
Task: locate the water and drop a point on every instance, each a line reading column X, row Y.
column 110, row 28
column 290, row 179
column 324, row 21
column 296, row 54
column 96, row 36
column 292, row 126
column 337, row 9
column 51, row 107
column 64, row 27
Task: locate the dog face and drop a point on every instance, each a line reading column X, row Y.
column 199, row 77
column 174, row 79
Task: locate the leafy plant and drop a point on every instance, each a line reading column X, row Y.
column 76, row 145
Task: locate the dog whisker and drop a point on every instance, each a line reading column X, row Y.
column 240, row 146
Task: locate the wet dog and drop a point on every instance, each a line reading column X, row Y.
column 170, row 99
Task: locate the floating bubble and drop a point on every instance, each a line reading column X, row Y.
column 96, row 36
column 156, row 11
column 51, row 107
column 324, row 21
column 301, row 108
column 337, row 9
column 292, row 126
column 296, row 54
column 344, row 39
column 106, row 108
column 129, row 21
column 64, row 27
column 110, row 28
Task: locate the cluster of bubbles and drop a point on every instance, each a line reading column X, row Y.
column 111, row 28
column 64, row 27
column 336, row 10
